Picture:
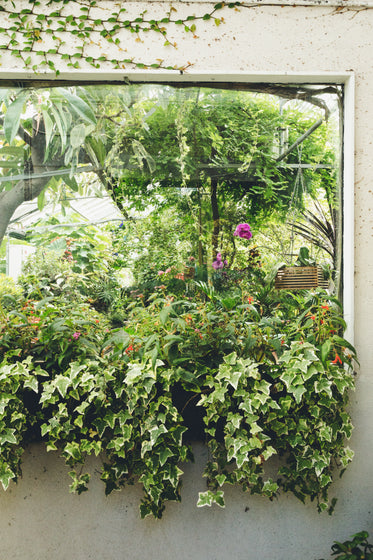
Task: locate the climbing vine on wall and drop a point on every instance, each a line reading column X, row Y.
column 54, row 33
column 43, row 34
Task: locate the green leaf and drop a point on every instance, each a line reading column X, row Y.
column 304, row 463
column 17, row 151
column 101, row 426
column 288, row 378
column 164, row 313
column 298, row 391
column 323, row 385
column 325, row 350
column 165, row 454
column 62, row 383
column 12, row 117
column 235, row 419
column 146, row 447
column 79, row 421
column 82, row 407
column 31, row 383
column 344, row 343
column 60, row 121
column 156, row 432
column 75, row 369
column 231, row 359
column 234, row 378
column 270, row 488
column 71, row 182
column 73, row 450
column 48, row 123
column 219, row 394
column 41, row 200
column 7, row 436
column 134, row 373
column 326, row 433
column 6, row 475
column 208, row 498
column 77, row 135
column 79, row 106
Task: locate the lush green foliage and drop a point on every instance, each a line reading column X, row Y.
column 261, row 377
column 207, row 155
column 8, row 291
column 197, row 344
column 204, row 178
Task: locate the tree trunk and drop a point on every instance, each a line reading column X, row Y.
column 215, row 217
column 26, row 189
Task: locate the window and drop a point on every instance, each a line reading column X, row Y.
column 186, row 163
column 165, row 320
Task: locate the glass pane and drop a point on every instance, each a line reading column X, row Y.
column 184, row 285
column 213, row 184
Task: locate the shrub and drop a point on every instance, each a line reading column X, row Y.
column 9, row 292
column 52, row 331
column 255, row 374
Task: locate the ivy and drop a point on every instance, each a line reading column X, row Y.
column 300, row 416
column 31, row 31
column 273, row 414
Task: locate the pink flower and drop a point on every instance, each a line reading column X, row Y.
column 167, row 270
column 160, row 272
column 76, row 335
column 243, row 230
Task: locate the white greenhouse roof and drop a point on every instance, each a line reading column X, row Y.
column 91, row 209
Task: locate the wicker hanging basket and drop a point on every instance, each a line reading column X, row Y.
column 300, row 278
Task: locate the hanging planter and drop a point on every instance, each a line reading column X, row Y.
column 300, row 278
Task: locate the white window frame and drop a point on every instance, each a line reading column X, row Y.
column 346, row 79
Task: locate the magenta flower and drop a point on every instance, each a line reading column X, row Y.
column 243, row 230
column 76, row 335
column 218, row 264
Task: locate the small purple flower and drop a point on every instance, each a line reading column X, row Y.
column 243, row 230
column 218, row 264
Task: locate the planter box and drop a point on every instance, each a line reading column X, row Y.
column 300, row 278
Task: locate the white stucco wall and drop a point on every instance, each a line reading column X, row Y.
column 40, row 520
